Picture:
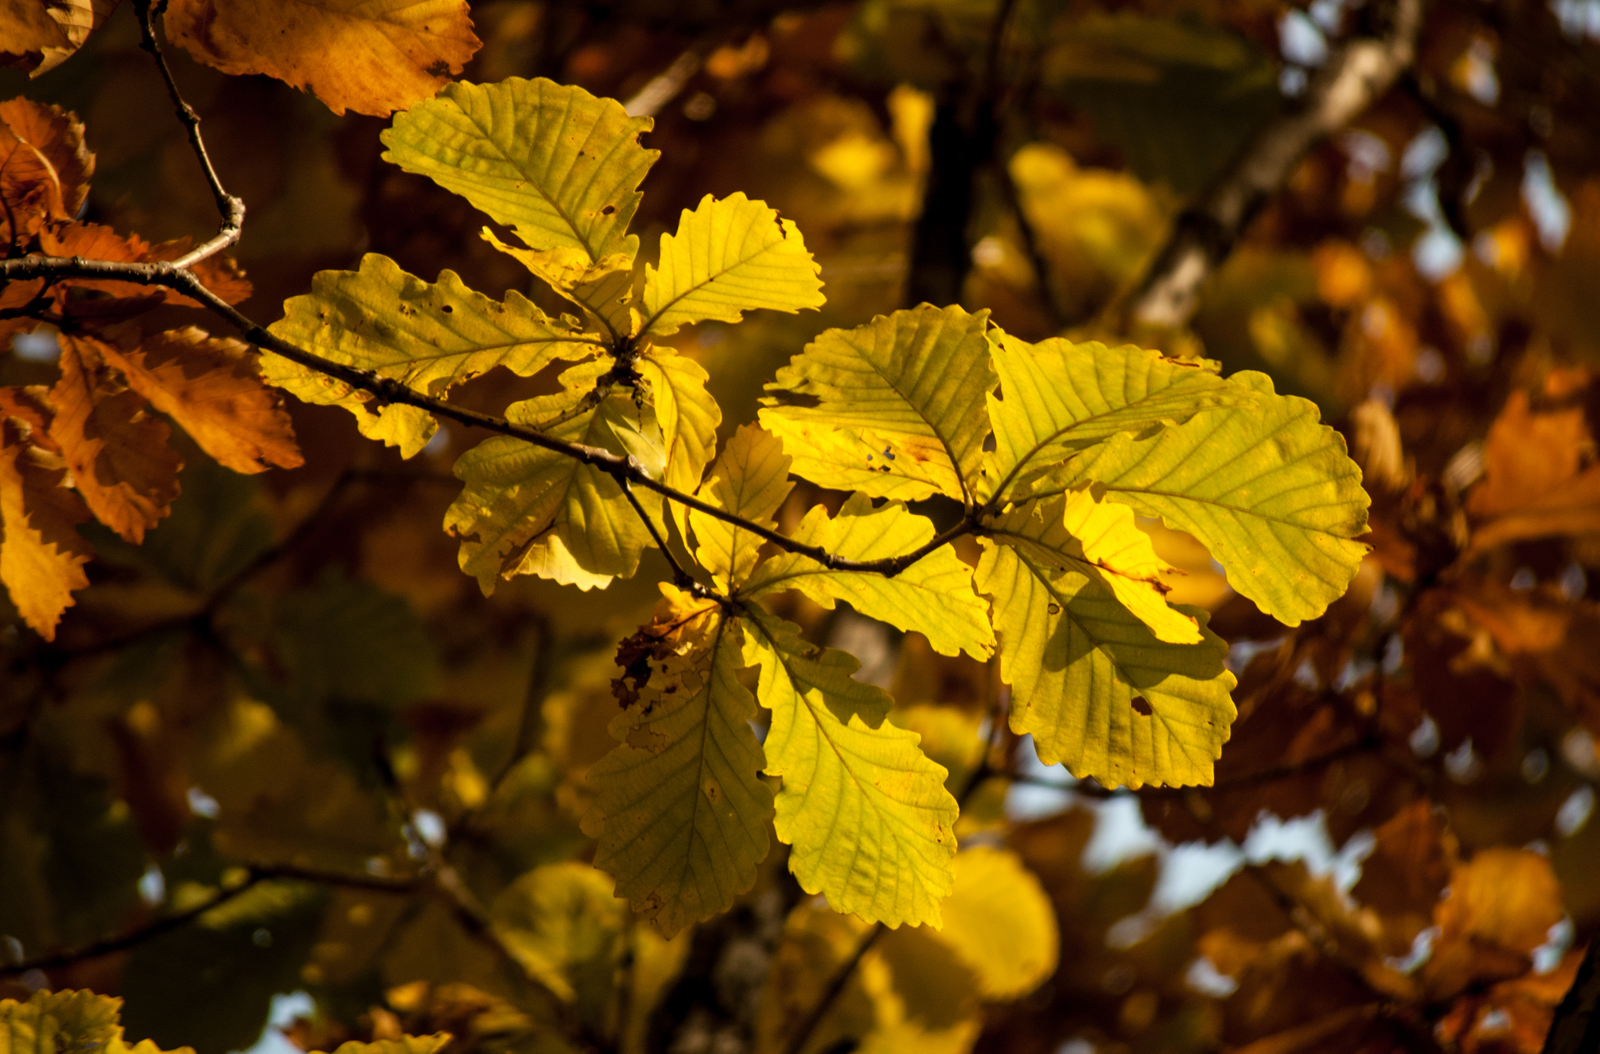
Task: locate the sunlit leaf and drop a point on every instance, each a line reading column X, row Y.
column 427, row 336
column 550, row 161
column 34, row 33
column 1268, row 489
column 899, row 405
column 404, row 1045
column 680, row 812
column 867, row 814
column 371, row 56
column 1058, row 398
column 750, row 478
column 1080, row 664
column 604, row 288
column 528, row 510
column 44, row 164
column 688, row 417
column 729, row 256
column 41, row 555
column 933, row 596
column 999, row 921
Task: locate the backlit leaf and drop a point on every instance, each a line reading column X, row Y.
column 211, row 386
column 41, row 555
column 933, row 596
column 116, row 452
column 44, row 164
column 729, row 256
column 680, row 813
column 427, row 336
column 404, row 1045
column 999, row 921
column 750, row 478
column 67, row 1022
column 867, row 813
column 371, row 56
column 899, row 405
column 687, row 415
column 528, row 510
column 1268, row 489
column 564, row 925
column 550, row 161
column 604, row 289
column 1060, row 398
column 1077, row 660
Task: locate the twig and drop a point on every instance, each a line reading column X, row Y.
column 1355, row 76
column 1576, row 1027
column 808, row 1024
column 230, row 208
column 388, row 390
column 680, row 577
column 128, row 940
column 664, row 86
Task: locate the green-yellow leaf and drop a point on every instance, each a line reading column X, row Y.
column 899, row 405
column 528, row 510
column 1268, row 489
column 564, row 925
column 602, row 288
column 933, row 596
column 1093, row 685
column 680, row 813
column 67, row 1022
column 1103, row 542
column 730, row 255
column 1000, row 922
column 427, row 336
column 552, row 162
column 688, row 417
column 1060, row 397
column 750, row 479
column 867, row 813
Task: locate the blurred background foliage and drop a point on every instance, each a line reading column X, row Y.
column 291, row 686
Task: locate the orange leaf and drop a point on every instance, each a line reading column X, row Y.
column 1527, row 455
column 44, row 166
column 93, row 241
column 371, row 56
column 41, row 555
column 27, row 408
column 212, row 387
column 1498, row 909
column 44, row 33
column 117, row 454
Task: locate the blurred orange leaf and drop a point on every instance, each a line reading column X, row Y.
column 371, row 56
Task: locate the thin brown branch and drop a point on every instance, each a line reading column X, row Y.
column 1358, row 72
column 230, row 208
column 132, row 938
column 388, row 390
column 808, row 1024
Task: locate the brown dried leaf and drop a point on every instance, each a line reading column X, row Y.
column 44, row 33
column 1408, row 869
column 44, row 165
column 1528, row 454
column 117, row 454
column 371, row 56
column 41, row 555
column 211, row 386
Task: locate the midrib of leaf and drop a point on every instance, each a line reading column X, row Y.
column 1099, row 644
column 700, row 771
column 840, row 754
column 1026, row 459
column 532, row 183
column 701, row 285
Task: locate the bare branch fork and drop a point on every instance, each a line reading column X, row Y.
column 176, row 274
column 1356, row 75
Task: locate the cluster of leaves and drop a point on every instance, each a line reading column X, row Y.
column 384, row 801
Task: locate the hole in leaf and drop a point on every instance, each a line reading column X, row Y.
column 1141, row 707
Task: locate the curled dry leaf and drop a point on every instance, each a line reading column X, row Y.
column 371, row 57
column 117, row 453
column 44, row 165
column 44, row 33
